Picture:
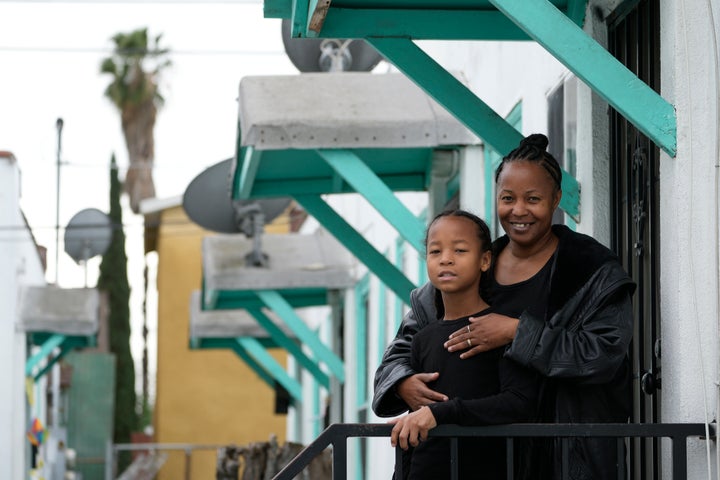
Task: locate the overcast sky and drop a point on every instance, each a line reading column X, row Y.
column 50, row 53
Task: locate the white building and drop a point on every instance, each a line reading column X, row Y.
column 21, row 266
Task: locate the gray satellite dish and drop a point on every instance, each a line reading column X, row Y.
column 88, row 234
column 329, row 55
column 207, row 201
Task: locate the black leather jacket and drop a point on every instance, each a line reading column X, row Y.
column 582, row 348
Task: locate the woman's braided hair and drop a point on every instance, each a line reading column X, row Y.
column 533, row 149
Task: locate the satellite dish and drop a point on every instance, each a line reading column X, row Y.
column 329, row 55
column 88, row 234
column 208, row 203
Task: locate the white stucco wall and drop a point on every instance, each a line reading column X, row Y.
column 689, row 222
column 19, row 265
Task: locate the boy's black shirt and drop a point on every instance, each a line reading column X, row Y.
column 483, row 389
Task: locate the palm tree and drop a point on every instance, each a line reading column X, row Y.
column 134, row 90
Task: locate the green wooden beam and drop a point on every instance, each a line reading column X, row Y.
column 317, row 11
column 299, row 27
column 259, row 370
column 246, row 176
column 265, row 361
column 357, row 174
column 275, row 302
column 358, row 245
column 576, row 11
column 291, row 346
column 67, row 344
column 464, row 105
column 570, row 201
column 449, row 92
column 46, row 349
column 602, row 72
column 277, row 8
column 419, row 24
column 412, row 182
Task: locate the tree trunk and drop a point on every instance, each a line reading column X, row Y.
column 138, row 124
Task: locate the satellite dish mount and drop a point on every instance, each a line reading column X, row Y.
column 211, row 207
column 251, row 221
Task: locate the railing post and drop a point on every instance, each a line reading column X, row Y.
column 339, row 458
column 510, row 458
column 454, row 462
column 679, row 448
column 399, row 471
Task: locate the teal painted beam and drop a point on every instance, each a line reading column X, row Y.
column 291, row 346
column 420, row 24
column 495, row 131
column 262, row 358
column 412, row 182
column 299, row 27
column 570, row 201
column 46, row 349
column 317, row 12
column 64, row 349
column 250, row 362
column 357, row 174
column 602, row 72
column 277, row 8
column 449, row 92
column 275, row 302
column 358, row 245
column 250, row 163
column 575, row 11
column 67, row 345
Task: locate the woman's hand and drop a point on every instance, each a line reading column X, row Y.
column 484, row 333
column 415, row 392
column 412, row 428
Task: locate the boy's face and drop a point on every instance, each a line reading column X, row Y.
column 455, row 257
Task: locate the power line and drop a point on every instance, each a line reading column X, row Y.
column 109, row 51
column 144, row 2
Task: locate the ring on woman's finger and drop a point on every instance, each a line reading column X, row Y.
column 469, row 342
column 468, row 327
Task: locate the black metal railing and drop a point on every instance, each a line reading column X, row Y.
column 336, row 435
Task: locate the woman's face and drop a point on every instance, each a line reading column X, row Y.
column 455, row 256
column 526, row 200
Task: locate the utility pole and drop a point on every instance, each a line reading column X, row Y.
column 59, row 125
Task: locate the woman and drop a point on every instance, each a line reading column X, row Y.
column 561, row 302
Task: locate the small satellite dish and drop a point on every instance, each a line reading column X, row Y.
column 208, row 203
column 88, row 234
column 329, row 55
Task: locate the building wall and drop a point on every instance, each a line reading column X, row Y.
column 503, row 74
column 20, row 266
column 203, row 396
column 689, row 206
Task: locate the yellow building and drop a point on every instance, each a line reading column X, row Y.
column 203, row 397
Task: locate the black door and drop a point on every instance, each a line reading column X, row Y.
column 633, row 38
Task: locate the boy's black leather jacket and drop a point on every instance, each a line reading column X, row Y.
column 582, row 347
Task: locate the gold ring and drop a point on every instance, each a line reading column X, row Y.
column 468, row 327
column 469, row 342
